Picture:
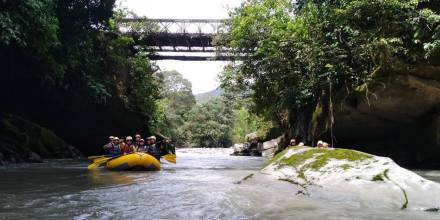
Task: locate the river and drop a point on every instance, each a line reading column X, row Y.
column 202, row 185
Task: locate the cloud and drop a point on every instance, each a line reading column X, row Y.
column 202, row 74
column 202, row 9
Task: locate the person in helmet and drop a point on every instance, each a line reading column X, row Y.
column 167, row 147
column 153, row 148
column 129, row 147
column 115, row 148
column 137, row 138
column 322, row 144
column 292, row 142
column 142, row 147
column 107, row 147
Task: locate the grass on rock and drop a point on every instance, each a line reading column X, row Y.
column 322, row 157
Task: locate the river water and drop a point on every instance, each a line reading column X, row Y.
column 204, row 184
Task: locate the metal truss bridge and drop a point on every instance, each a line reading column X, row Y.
column 178, row 39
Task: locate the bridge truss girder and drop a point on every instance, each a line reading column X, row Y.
column 174, row 35
column 162, row 40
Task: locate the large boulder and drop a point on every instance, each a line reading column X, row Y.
column 397, row 115
column 270, row 147
column 247, row 149
column 33, row 157
column 240, row 149
column 252, row 137
column 350, row 174
column 25, row 141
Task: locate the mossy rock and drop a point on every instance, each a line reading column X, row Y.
column 281, row 154
column 346, row 166
column 19, row 139
column 321, row 158
column 378, row 177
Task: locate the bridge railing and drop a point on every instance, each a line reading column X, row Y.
column 180, row 26
column 177, row 35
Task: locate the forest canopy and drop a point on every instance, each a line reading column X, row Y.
column 65, row 58
column 297, row 55
column 217, row 122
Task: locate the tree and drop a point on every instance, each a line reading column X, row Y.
column 177, row 102
column 209, row 124
column 68, row 60
column 29, row 35
column 298, row 54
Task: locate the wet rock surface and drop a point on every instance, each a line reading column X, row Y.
column 256, row 148
column 33, row 158
column 247, row 149
column 271, row 147
column 25, row 141
column 353, row 174
column 395, row 115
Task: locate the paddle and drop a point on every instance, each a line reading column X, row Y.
column 95, row 157
column 170, row 158
column 98, row 158
column 99, row 161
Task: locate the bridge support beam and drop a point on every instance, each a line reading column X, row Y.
column 191, row 58
column 177, row 35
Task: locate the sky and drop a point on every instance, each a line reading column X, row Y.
column 202, row 74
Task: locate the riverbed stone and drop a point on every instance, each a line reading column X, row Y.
column 269, row 148
column 74, row 152
column 252, row 137
column 240, row 149
column 246, row 149
column 355, row 175
column 33, row 158
column 269, row 153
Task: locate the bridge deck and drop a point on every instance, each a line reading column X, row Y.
column 177, row 35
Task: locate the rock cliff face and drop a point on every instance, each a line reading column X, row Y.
column 25, row 141
column 396, row 116
column 354, row 175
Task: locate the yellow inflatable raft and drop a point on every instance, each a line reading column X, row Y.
column 135, row 161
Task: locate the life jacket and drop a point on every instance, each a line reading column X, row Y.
column 153, row 150
column 115, row 149
column 128, row 149
column 142, row 148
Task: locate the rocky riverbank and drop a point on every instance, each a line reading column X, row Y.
column 25, row 141
column 255, row 147
column 359, row 176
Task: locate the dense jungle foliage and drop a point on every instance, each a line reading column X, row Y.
column 66, row 65
column 298, row 57
column 177, row 101
column 217, row 122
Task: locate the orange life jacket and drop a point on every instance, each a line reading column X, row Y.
column 128, row 149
